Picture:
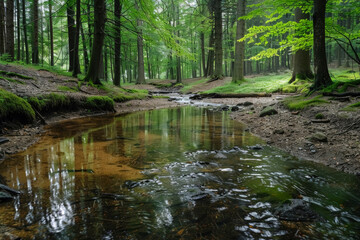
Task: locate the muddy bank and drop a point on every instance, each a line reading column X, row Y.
column 333, row 141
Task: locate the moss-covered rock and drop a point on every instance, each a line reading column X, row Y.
column 15, row 108
column 99, row 103
column 300, row 102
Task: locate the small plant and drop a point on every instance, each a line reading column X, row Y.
column 319, row 116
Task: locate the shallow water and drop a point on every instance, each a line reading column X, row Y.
column 185, row 173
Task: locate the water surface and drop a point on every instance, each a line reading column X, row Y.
column 184, row 173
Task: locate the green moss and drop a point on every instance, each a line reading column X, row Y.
column 189, row 86
column 67, row 89
column 52, row 102
column 12, row 74
column 99, row 103
column 12, row 80
column 319, row 116
column 15, row 108
column 299, row 103
column 298, row 86
column 352, row 107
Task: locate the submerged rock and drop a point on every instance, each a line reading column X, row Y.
column 4, row 196
column 235, row 108
column 220, row 155
column 268, row 111
column 296, row 210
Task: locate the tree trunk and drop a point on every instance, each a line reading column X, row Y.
column 98, row 42
column 202, row 43
column 71, row 34
column 51, row 35
column 117, row 60
column 178, row 60
column 302, row 69
column 18, row 30
column 210, row 61
column 238, row 74
column 322, row 77
column 25, row 32
column 2, row 27
column 10, row 29
column 148, row 61
column 76, row 69
column 35, row 33
column 89, row 24
column 85, row 52
column 218, row 39
column 140, row 48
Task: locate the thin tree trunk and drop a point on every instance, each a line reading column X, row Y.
column 76, row 69
column 99, row 35
column 322, row 77
column 210, row 61
column 25, row 32
column 2, row 27
column 218, row 39
column 10, row 29
column 238, row 74
column 51, row 35
column 178, row 59
column 85, row 52
column 18, row 30
column 71, row 34
column 35, row 41
column 117, row 60
column 140, row 48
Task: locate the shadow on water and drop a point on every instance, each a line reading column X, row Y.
column 185, row 173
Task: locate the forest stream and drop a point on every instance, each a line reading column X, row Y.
column 179, row 173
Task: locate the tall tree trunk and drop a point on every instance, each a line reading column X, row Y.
column 218, row 39
column 117, row 63
column 210, row 61
column 322, row 77
column 202, row 43
column 10, row 29
column 76, row 69
column 85, row 52
column 71, row 34
column 2, row 27
column 99, row 35
column 35, row 41
column 178, row 59
column 89, row 23
column 140, row 48
column 25, row 32
column 238, row 74
column 18, row 30
column 148, row 61
column 51, row 35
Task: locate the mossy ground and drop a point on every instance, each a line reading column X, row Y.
column 301, row 102
column 14, row 108
column 99, row 103
column 352, row 107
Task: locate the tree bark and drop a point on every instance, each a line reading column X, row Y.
column 10, row 29
column 76, row 69
column 18, row 30
column 140, row 48
column 25, row 32
column 178, row 59
column 71, row 34
column 2, row 27
column 218, row 39
column 35, row 38
column 238, row 74
column 117, row 60
column 51, row 35
column 98, row 42
column 302, row 69
column 322, row 77
column 210, row 61
column 85, row 52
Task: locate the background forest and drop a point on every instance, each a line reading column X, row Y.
column 129, row 41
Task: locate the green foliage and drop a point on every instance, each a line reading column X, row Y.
column 319, row 116
column 15, row 108
column 99, row 103
column 352, row 107
column 67, row 89
column 343, row 80
column 270, row 83
column 301, row 102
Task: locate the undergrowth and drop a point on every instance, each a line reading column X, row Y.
column 301, row 102
column 14, row 108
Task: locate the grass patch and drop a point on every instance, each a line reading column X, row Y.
column 122, row 94
column 268, row 84
column 99, row 103
column 52, row 102
column 301, row 102
column 188, row 86
column 12, row 74
column 12, row 80
column 352, row 107
column 15, row 108
column 66, row 89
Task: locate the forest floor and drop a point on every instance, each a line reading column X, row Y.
column 333, row 141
